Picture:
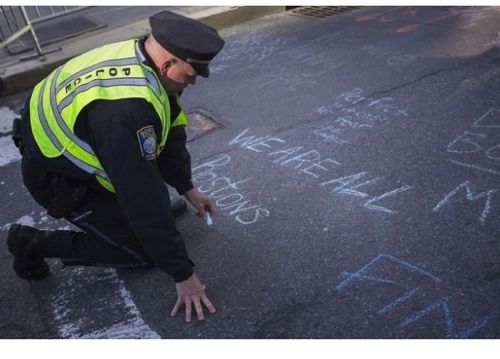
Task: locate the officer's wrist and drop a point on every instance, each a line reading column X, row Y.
column 184, row 272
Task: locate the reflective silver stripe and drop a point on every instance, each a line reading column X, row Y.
column 153, row 82
column 80, row 164
column 120, row 62
column 43, row 120
column 86, row 167
column 149, row 75
column 101, row 83
column 62, row 124
column 139, row 53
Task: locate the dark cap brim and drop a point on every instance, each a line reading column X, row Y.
column 201, row 69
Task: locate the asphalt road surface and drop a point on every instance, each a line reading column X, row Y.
column 356, row 171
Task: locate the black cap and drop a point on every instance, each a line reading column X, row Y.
column 187, row 39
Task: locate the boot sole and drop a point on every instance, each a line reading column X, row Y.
column 38, row 272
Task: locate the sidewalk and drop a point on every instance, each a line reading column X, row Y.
column 17, row 76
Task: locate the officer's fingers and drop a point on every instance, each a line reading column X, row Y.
column 187, row 303
column 210, row 205
column 198, row 308
column 176, row 308
column 208, row 303
column 213, row 208
column 201, row 212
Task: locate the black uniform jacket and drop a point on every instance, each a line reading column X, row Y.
column 111, row 129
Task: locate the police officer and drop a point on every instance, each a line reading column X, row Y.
column 101, row 135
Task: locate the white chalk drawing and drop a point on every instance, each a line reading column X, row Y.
column 354, row 111
column 369, row 49
column 312, row 164
column 315, row 60
column 329, row 39
column 421, row 295
column 218, row 68
column 332, row 133
column 288, row 80
column 251, row 49
column 226, row 191
column 254, row 50
column 313, row 66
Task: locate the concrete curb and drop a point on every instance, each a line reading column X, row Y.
column 21, row 76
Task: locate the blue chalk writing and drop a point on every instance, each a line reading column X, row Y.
column 226, row 191
column 492, row 115
column 312, row 164
column 438, row 307
column 369, row 204
column 398, row 301
column 476, row 167
column 471, row 142
column 465, row 144
column 361, row 272
column 366, row 277
column 443, row 306
column 470, row 197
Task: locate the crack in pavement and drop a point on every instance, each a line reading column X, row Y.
column 434, row 73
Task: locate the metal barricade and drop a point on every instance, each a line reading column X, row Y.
column 15, row 21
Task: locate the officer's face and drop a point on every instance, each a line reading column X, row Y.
column 177, row 75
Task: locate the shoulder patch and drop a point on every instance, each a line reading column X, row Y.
column 147, row 142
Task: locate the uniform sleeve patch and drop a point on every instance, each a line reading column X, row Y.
column 147, row 142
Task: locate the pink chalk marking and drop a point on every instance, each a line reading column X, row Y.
column 408, row 28
column 415, row 27
column 467, row 26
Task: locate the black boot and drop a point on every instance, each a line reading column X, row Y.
column 179, row 206
column 24, row 244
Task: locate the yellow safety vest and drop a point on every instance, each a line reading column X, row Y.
column 111, row 72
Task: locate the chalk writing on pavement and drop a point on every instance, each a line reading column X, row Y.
column 318, row 170
column 476, row 149
column 227, row 192
column 354, row 111
column 420, row 295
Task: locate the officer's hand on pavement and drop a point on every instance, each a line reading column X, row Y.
column 190, row 292
column 201, row 201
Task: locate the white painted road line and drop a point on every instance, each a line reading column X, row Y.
column 6, row 117
column 120, row 318
column 8, row 151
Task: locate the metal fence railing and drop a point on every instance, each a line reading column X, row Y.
column 16, row 21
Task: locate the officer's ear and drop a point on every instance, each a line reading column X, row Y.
column 164, row 68
column 167, row 64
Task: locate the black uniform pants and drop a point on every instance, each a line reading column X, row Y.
column 107, row 239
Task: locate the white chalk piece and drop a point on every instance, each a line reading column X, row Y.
column 209, row 219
